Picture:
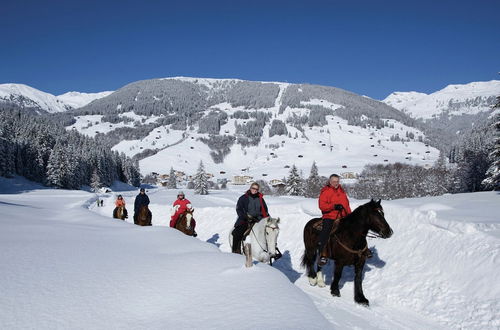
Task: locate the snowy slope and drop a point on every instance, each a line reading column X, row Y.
column 77, row 100
column 64, row 267
column 27, row 96
column 437, row 271
column 67, row 267
column 454, row 100
column 336, row 147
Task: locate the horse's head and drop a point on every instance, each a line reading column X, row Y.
column 272, row 230
column 377, row 222
column 188, row 215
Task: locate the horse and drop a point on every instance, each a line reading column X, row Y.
column 347, row 246
column 143, row 217
column 261, row 242
column 184, row 223
column 119, row 213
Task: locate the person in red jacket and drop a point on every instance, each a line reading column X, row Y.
column 181, row 204
column 334, row 204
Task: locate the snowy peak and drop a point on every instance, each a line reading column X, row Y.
column 29, row 97
column 453, row 100
column 77, row 100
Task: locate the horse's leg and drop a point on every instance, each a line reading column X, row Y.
column 319, row 278
column 359, row 297
column 337, row 274
column 248, row 254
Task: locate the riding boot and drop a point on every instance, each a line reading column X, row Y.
column 236, row 246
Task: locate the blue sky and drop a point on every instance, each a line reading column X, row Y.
column 368, row 47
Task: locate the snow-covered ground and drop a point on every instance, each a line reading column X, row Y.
column 65, row 267
column 67, row 264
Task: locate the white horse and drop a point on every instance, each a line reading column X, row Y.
column 261, row 243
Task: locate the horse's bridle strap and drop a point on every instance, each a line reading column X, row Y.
column 358, row 252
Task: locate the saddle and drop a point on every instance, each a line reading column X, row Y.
column 318, row 224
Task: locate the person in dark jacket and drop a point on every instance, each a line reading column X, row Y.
column 140, row 200
column 251, row 207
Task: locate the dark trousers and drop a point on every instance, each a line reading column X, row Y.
column 238, row 232
column 325, row 233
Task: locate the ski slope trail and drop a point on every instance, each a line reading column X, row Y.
column 437, row 271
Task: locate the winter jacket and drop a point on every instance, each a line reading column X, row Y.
column 182, row 207
column 140, row 200
column 242, row 207
column 120, row 202
column 328, row 198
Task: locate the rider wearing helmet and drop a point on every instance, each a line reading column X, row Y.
column 181, row 204
column 120, row 202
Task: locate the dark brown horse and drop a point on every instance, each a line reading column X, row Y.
column 185, row 223
column 143, row 217
column 347, row 246
column 120, row 213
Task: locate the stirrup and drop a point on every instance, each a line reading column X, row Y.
column 322, row 261
column 368, row 253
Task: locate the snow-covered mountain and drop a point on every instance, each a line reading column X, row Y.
column 453, row 100
column 239, row 127
column 29, row 97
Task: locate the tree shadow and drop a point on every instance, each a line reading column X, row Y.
column 284, row 265
column 213, row 240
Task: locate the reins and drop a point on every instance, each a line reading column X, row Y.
column 358, row 252
column 263, row 249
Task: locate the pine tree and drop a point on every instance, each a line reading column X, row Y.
column 313, row 183
column 95, row 182
column 172, row 179
column 201, row 181
column 294, row 183
column 492, row 180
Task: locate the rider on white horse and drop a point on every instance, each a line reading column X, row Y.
column 251, row 203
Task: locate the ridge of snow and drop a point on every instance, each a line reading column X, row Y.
column 46, row 101
column 79, row 99
column 426, row 106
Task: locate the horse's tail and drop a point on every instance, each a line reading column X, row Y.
column 310, row 251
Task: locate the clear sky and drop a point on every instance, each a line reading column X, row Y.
column 368, row 47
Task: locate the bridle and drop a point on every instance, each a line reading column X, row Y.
column 370, row 234
column 273, row 228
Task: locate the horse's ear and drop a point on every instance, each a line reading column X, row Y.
column 278, row 221
column 379, row 201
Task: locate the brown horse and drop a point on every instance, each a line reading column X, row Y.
column 120, row 213
column 143, row 217
column 185, row 222
column 347, row 246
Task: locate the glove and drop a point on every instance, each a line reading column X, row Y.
column 338, row 207
column 251, row 219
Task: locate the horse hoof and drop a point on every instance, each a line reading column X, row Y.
column 363, row 302
column 313, row 281
column 335, row 292
column 321, row 282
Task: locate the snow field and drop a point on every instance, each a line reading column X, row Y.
column 436, row 271
column 64, row 267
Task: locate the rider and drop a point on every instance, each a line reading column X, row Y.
column 181, row 204
column 251, row 207
column 140, row 200
column 334, row 204
column 119, row 203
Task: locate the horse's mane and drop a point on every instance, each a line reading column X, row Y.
column 356, row 216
